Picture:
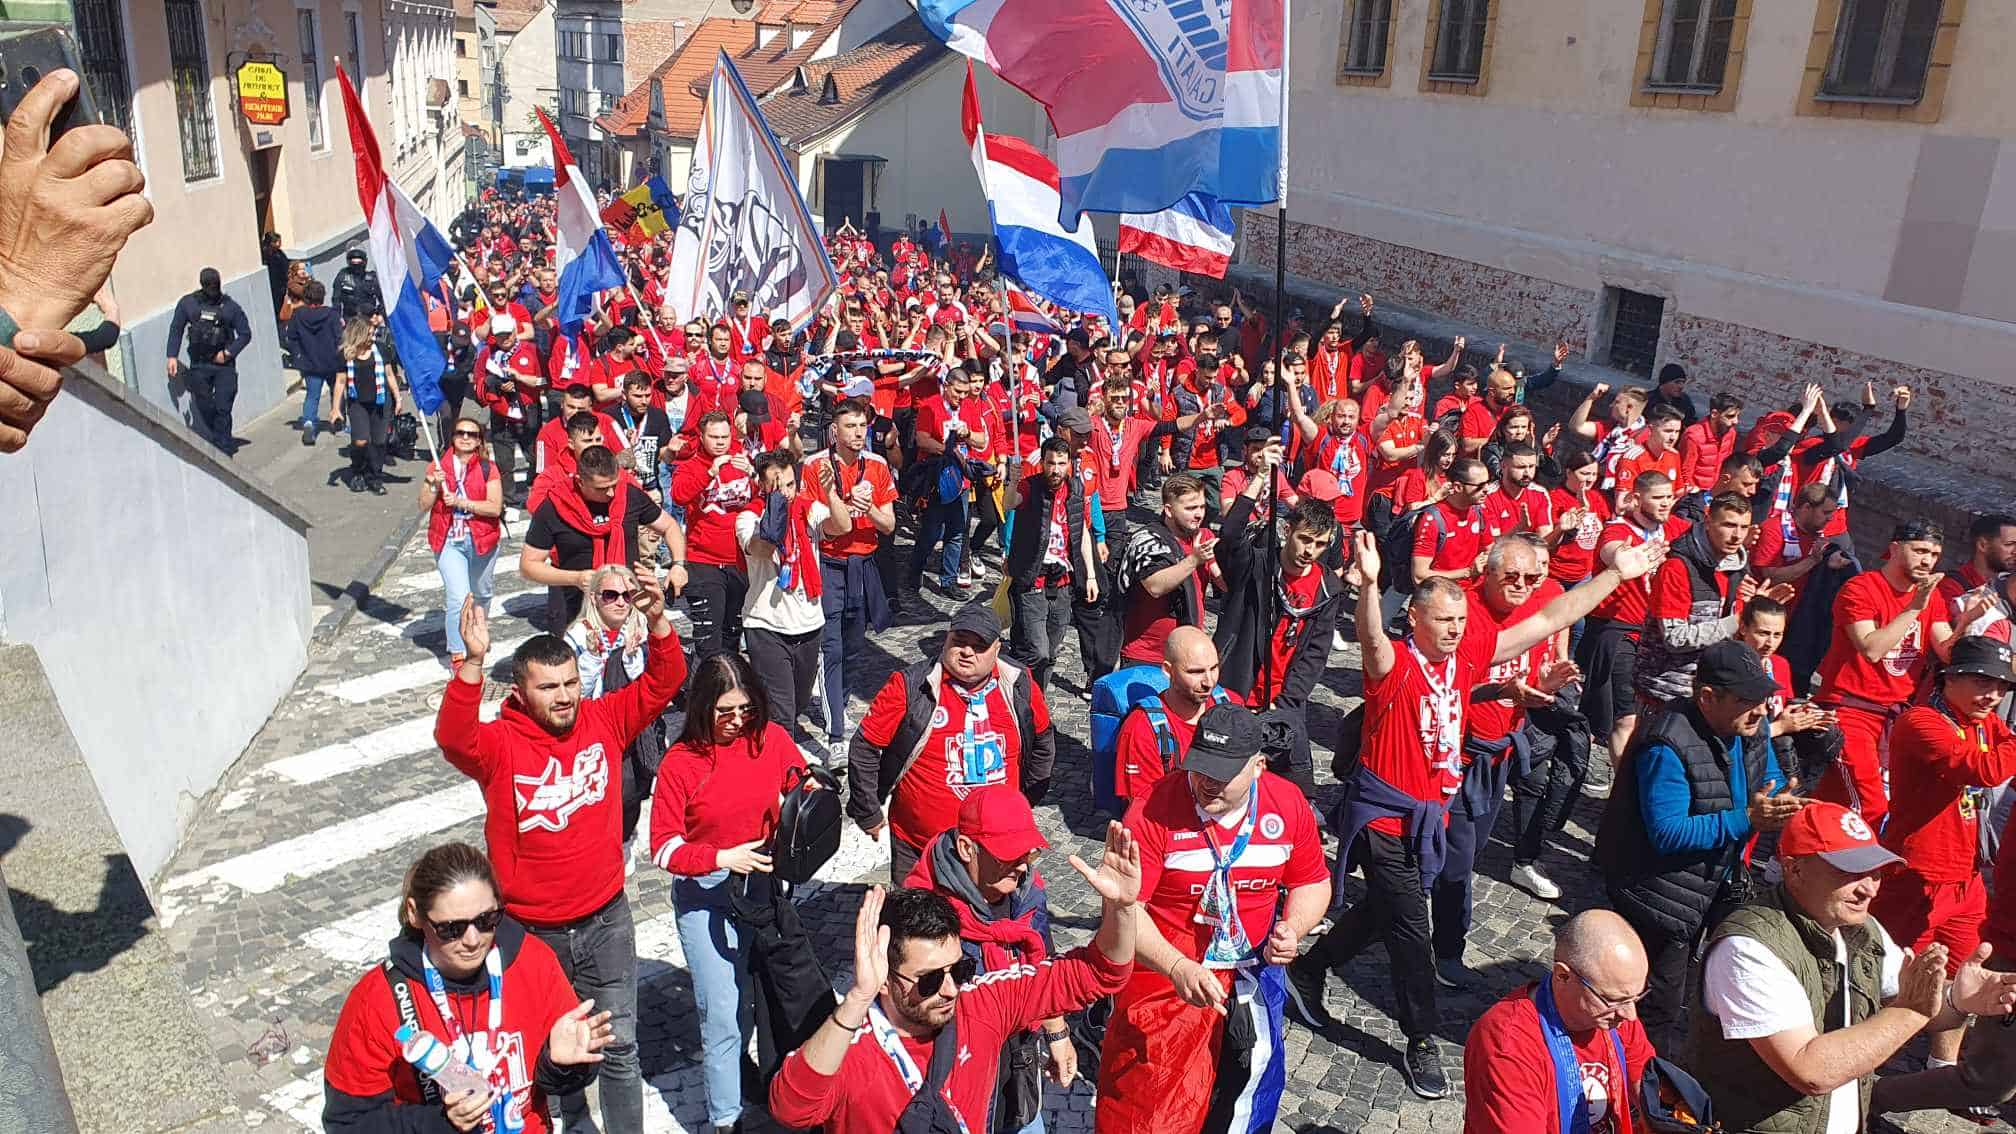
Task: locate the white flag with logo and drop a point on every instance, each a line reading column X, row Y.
column 745, row 228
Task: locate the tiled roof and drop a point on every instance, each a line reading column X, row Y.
column 859, row 77
column 513, row 15
column 684, row 76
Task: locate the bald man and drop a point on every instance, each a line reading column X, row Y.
column 1152, row 740
column 1589, row 997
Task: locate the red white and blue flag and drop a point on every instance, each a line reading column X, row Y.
column 1036, row 251
column 1150, row 99
column 1193, row 235
column 408, row 253
column 583, row 256
column 1024, row 315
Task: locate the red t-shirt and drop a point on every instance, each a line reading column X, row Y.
column 1289, row 633
column 1781, row 673
column 934, row 418
column 1780, row 543
column 1284, row 851
column 1495, row 720
column 1480, row 419
column 1937, row 767
column 862, row 538
column 1410, row 489
column 1455, row 543
column 1137, row 759
column 1574, row 557
column 1869, row 597
column 1508, row 1073
column 1626, row 604
column 1403, row 433
column 1631, row 467
column 1530, row 511
column 949, row 766
column 1413, row 735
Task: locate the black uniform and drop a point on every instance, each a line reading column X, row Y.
column 216, row 326
column 357, row 293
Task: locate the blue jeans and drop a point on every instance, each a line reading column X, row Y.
column 941, row 521
column 598, row 954
column 720, row 981
column 311, row 404
column 463, row 573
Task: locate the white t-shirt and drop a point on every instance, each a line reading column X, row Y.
column 1752, row 994
column 768, row 606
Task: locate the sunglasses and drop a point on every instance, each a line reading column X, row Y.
column 737, row 712
column 485, row 922
column 1473, row 485
column 1530, row 578
column 614, row 596
column 931, row 983
column 477, row 434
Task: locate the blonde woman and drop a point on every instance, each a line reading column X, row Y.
column 609, row 641
column 367, row 400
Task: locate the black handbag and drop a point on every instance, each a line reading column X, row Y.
column 1670, row 1101
column 808, row 825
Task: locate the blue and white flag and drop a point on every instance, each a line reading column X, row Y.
column 584, row 258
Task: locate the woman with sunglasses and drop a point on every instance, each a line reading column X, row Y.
column 610, row 640
column 713, row 810
column 473, row 978
column 464, row 499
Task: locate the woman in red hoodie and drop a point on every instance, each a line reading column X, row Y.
column 463, row 971
column 716, row 803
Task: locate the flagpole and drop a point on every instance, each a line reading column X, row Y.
column 1279, row 340
column 648, row 324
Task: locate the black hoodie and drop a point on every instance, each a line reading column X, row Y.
column 315, row 337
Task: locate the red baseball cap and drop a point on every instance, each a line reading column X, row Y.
column 1836, row 834
column 1322, row 484
column 1002, row 822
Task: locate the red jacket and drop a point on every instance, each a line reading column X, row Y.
column 370, row 1086
column 1702, row 452
column 1938, row 770
column 554, row 804
column 475, row 485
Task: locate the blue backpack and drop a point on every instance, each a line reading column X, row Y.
column 1113, row 697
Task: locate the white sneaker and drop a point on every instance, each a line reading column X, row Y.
column 1339, row 642
column 1528, row 878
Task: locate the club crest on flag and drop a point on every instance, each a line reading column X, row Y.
column 1187, row 39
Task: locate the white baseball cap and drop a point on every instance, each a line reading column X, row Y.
column 503, row 324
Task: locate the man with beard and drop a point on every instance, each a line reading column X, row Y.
column 1480, row 418
column 985, row 866
column 1163, row 567
column 1696, row 601
column 1516, row 505
column 1884, row 624
column 1118, row 436
column 1991, row 542
column 646, row 435
column 1202, row 392
column 715, row 374
column 218, row 333
column 932, row 1048
column 553, row 801
column 588, row 521
column 1050, row 557
column 555, row 450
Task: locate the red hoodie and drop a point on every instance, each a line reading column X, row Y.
column 709, row 799
column 554, row 804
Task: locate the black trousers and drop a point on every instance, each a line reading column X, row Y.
column 1668, row 984
column 786, row 665
column 1395, row 911
column 714, row 597
column 212, row 391
column 1542, row 798
column 507, row 435
column 368, row 424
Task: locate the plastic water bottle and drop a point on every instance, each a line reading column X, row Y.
column 433, row 1059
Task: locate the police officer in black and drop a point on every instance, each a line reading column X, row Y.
column 357, row 293
column 218, row 333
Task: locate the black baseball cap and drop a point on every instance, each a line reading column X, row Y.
column 1983, row 657
column 1078, row 335
column 1227, row 737
column 1258, row 435
column 977, row 619
column 1074, row 420
column 1735, row 669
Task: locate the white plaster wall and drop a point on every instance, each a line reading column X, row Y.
column 529, row 80
column 170, row 609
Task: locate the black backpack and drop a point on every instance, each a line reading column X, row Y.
column 808, row 825
column 1396, row 534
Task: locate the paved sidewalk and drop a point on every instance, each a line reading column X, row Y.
column 285, row 893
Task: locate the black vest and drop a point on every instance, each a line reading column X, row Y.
column 1032, row 531
column 1672, row 893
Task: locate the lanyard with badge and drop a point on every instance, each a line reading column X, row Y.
column 977, row 757
column 891, row 1043
column 1218, row 906
column 1441, row 715
column 1972, row 799
column 458, row 520
column 461, row 1046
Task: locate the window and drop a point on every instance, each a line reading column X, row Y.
column 101, row 42
column 1692, row 51
column 189, row 69
column 1634, row 330
column 355, row 58
column 311, row 78
column 461, row 48
column 574, row 46
column 608, row 103
column 1368, row 29
column 573, row 101
column 612, row 46
column 462, row 87
column 1458, row 41
column 1882, row 50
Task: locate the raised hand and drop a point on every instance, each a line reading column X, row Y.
column 475, row 625
column 871, row 948
column 1118, row 879
column 1561, row 353
column 579, row 1037
column 1812, row 395
column 1901, row 398
column 1921, row 986
column 1978, row 991
column 1364, row 571
column 650, row 597
column 1637, row 562
column 1556, row 673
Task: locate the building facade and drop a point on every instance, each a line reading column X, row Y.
column 425, row 146
column 476, row 66
column 1766, row 193
column 526, row 70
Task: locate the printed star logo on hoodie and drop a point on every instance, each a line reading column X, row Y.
column 547, row 800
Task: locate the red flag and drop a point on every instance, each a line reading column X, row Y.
column 969, row 109
column 562, row 157
column 944, row 226
column 364, row 146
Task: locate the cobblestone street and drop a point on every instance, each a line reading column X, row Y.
column 285, row 891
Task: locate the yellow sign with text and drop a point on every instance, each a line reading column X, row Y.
column 262, row 93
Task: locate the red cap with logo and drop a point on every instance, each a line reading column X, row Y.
column 1836, row 834
column 1001, row 821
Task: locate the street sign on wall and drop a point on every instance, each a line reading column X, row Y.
column 262, row 93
